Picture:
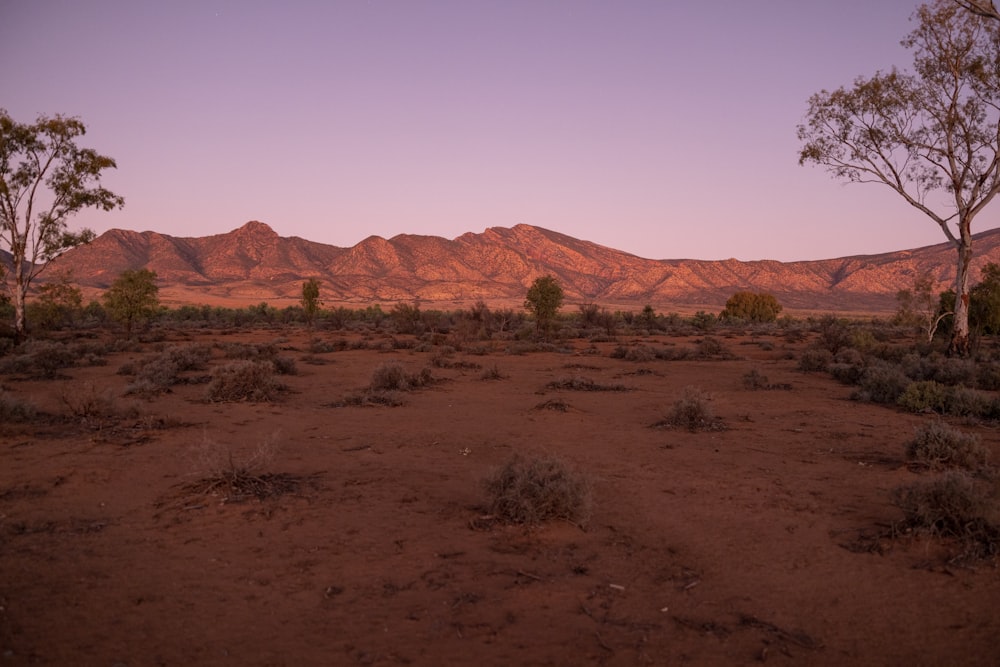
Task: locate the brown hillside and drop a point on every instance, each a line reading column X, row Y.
column 254, row 262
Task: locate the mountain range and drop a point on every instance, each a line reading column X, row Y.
column 253, row 263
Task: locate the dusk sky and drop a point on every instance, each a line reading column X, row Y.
column 661, row 128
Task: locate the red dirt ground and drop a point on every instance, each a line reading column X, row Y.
column 710, row 548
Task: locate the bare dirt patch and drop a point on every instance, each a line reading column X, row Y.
column 338, row 533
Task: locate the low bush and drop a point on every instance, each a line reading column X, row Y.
column 14, row 409
column 937, row 445
column 95, row 407
column 952, row 505
column 815, row 359
column 755, row 380
column 493, row 373
column 243, row 380
column 533, row 490
column 881, row 383
column 692, row 412
column 924, row 396
column 391, row 376
column 581, row 383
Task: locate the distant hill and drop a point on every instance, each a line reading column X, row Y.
column 255, row 263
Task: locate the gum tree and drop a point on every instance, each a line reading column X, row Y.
column 984, row 8
column 45, row 178
column 932, row 135
column 544, row 298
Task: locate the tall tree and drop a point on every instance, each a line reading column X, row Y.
column 935, row 130
column 310, row 299
column 45, row 178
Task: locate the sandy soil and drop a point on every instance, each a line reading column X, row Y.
column 721, row 547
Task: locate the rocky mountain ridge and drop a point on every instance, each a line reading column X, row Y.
column 254, row 262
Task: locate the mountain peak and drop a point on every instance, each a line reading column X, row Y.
column 256, row 229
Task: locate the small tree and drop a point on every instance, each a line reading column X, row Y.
column 132, row 297
column 310, row 299
column 937, row 129
column 544, row 299
column 45, row 178
column 751, row 306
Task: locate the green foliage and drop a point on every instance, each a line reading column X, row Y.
column 310, row 299
column 544, row 298
column 984, row 306
column 132, row 298
column 43, row 172
column 751, row 307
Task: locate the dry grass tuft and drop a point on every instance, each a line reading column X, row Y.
column 236, row 477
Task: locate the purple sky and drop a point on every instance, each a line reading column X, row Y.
column 662, row 128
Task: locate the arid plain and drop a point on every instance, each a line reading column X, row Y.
column 368, row 540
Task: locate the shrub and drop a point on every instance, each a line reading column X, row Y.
column 692, row 411
column 937, row 445
column 754, row 380
column 492, row 373
column 710, row 347
column 815, row 359
column 94, row 407
column 41, row 358
column 924, row 396
column 881, row 383
column 240, row 476
column 243, row 380
column 391, row 376
column 13, row 409
column 952, row 505
column 284, row 365
column 581, row 383
column 531, row 491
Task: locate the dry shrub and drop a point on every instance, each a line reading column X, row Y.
column 13, row 409
column 493, row 373
column 534, row 490
column 94, row 406
column 692, row 412
column 755, row 380
column 244, row 381
column 391, row 376
column 952, row 505
column 391, row 399
column 553, row 404
column 240, row 476
column 581, row 383
column 937, row 445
